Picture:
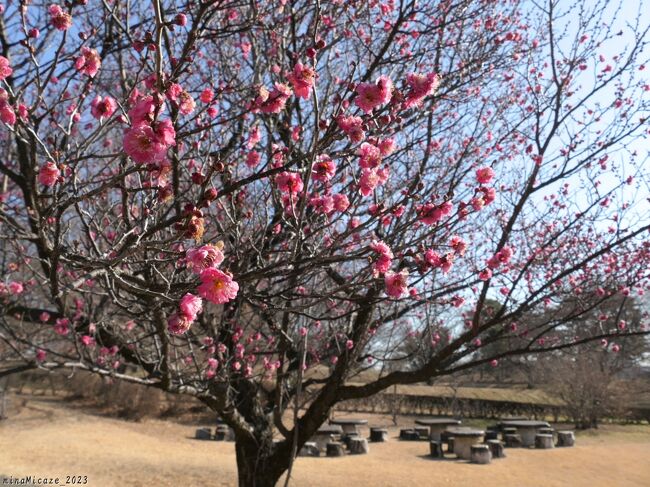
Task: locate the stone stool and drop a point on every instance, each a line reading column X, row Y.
column 480, row 454
column 378, row 435
column 423, row 433
column 496, row 448
column 348, row 438
column 203, row 434
column 408, row 435
column 565, row 438
column 358, row 446
column 221, row 432
column 450, row 444
column 335, row 449
column 445, row 435
column 543, row 441
column 512, row 441
column 309, row 449
column 435, row 449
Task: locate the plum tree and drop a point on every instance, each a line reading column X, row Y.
column 250, row 201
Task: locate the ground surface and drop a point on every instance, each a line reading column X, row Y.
column 48, row 438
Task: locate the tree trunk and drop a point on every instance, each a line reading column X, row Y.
column 258, row 464
column 3, row 402
column 4, row 391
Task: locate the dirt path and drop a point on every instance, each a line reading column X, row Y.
column 46, row 439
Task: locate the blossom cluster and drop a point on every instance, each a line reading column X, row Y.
column 147, row 140
column 216, row 286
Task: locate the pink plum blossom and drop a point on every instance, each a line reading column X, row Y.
column 503, row 256
column 60, row 19
column 387, row 146
column 341, row 202
column 385, row 87
column 485, row 274
column 352, row 127
column 178, row 324
column 102, row 107
column 302, row 80
column 324, row 168
column 396, row 283
column 421, row 86
column 143, row 111
column 190, row 306
column 371, row 95
column 431, row 214
column 432, row 258
column 165, row 132
column 143, row 145
column 204, row 257
column 274, row 101
column 62, row 326
column 457, row 301
column 253, row 159
column 5, row 68
column 289, row 182
column 207, row 95
column 484, row 175
column 370, row 156
column 48, row 174
column 435, row 260
column 217, row 286
column 458, row 244
column 16, row 287
column 186, row 103
column 88, row 62
column 254, row 136
column 322, row 204
column 7, row 114
column 384, row 257
column 370, row 179
column 182, row 98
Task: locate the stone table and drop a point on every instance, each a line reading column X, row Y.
column 437, row 426
column 527, row 429
column 505, row 419
column 324, row 436
column 464, row 438
column 348, row 425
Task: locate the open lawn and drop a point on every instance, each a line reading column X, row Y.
column 48, row 438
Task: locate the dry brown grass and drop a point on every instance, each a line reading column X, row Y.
column 512, row 394
column 47, row 437
column 129, row 401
